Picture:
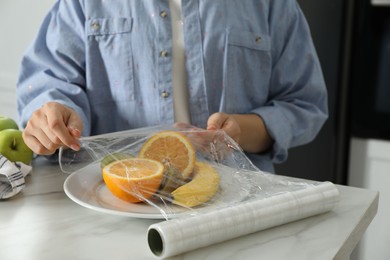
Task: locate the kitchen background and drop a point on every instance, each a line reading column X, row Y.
column 353, row 148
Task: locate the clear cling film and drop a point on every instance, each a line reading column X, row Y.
column 173, row 171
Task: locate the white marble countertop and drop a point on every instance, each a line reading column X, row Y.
column 43, row 223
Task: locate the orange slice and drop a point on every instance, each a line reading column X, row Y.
column 133, row 179
column 172, row 149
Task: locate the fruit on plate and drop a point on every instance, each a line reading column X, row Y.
column 114, row 157
column 133, row 179
column 12, row 146
column 7, row 123
column 203, row 186
column 172, row 180
column 171, row 148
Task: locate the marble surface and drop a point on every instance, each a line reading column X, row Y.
column 43, row 223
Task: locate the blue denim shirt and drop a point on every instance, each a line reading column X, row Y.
column 111, row 62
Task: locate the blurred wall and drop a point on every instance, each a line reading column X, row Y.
column 19, row 22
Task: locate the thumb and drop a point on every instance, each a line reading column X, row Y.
column 216, row 121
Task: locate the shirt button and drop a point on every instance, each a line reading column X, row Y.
column 95, row 26
column 258, row 39
column 163, row 54
column 165, row 94
column 163, row 14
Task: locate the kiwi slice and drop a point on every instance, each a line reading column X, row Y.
column 172, row 180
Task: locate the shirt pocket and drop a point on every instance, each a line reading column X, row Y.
column 110, row 72
column 247, row 70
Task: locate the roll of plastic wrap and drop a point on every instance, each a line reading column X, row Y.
column 180, row 235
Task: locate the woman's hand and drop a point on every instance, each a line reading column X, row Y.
column 226, row 122
column 248, row 130
column 52, row 126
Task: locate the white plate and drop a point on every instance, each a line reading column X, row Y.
column 87, row 188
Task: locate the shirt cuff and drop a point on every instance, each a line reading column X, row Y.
column 279, row 129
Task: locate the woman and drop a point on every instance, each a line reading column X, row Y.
column 247, row 67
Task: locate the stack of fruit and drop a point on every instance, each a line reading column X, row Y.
column 165, row 166
column 12, row 145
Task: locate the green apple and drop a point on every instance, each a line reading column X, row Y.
column 7, row 123
column 13, row 147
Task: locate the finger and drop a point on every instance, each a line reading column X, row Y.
column 52, row 128
column 74, row 124
column 226, row 123
column 36, row 137
column 75, row 127
column 35, row 145
column 216, row 121
column 74, row 132
column 46, row 141
column 58, row 132
column 232, row 129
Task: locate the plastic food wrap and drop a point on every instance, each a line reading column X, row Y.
column 221, row 174
column 200, row 181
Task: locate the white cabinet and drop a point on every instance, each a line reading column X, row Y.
column 381, row 2
column 369, row 168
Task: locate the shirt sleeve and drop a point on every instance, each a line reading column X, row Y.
column 297, row 103
column 53, row 67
